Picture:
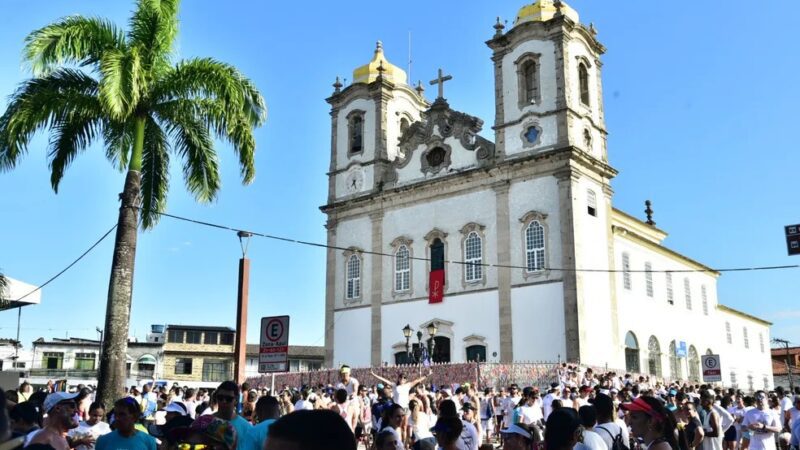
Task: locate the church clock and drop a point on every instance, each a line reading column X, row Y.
column 354, row 181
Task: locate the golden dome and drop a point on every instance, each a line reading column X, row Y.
column 369, row 72
column 544, row 10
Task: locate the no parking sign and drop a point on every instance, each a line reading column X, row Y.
column 273, row 354
column 711, row 368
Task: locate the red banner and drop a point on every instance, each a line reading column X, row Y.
column 436, row 286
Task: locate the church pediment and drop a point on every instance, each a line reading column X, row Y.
column 443, row 141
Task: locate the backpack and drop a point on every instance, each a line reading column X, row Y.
column 616, row 441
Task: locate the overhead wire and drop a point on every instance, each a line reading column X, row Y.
column 502, row 266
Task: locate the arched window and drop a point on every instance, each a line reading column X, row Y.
column 631, row 353
column 654, row 356
column 587, row 139
column 356, row 133
column 675, row 369
column 353, row 277
column 534, row 246
column 528, row 76
column 473, row 257
column 694, row 364
column 626, row 271
column 529, row 73
column 583, row 80
column 402, row 269
column 404, row 124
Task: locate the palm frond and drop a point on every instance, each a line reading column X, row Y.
column 153, row 28
column 192, row 142
column 118, row 137
column 41, row 103
column 70, row 136
column 121, row 84
column 3, row 290
column 71, row 40
column 155, row 173
column 209, row 78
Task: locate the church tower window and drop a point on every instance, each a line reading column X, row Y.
column 353, row 290
column 626, row 271
column 591, row 203
column 402, row 269
column 355, row 133
column 583, row 81
column 473, row 257
column 404, row 124
column 528, row 76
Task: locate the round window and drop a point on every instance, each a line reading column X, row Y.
column 435, row 157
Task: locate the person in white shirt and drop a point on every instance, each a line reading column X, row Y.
column 791, row 416
column 591, row 440
column 509, row 403
column 547, row 402
column 85, row 435
column 347, row 382
column 402, row 390
column 762, row 424
column 531, row 411
column 608, row 426
column 304, row 402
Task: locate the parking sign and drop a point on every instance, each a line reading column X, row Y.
column 273, row 354
column 711, row 368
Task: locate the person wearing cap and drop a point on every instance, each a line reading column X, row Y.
column 762, row 424
column 176, row 416
column 126, row 436
column 510, row 403
column 516, row 437
column 86, row 433
column 469, row 439
column 60, row 408
column 469, row 413
column 650, row 421
column 347, row 382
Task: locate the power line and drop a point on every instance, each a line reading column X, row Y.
column 502, row 266
column 70, row 264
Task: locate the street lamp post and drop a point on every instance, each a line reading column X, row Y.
column 417, row 356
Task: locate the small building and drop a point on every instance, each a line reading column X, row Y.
column 785, row 361
column 197, row 354
column 302, row 358
column 13, row 356
column 79, row 359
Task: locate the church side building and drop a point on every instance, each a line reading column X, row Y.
column 414, row 180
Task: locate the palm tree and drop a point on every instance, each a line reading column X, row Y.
column 3, row 289
column 93, row 81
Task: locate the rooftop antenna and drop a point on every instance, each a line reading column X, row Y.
column 409, row 54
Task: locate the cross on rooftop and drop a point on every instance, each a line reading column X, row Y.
column 440, row 81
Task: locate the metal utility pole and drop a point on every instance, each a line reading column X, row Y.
column 788, row 361
column 240, row 350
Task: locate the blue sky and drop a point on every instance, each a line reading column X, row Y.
column 700, row 105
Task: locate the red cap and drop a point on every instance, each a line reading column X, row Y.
column 640, row 405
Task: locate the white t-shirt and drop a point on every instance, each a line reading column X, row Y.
column 760, row 440
column 303, row 404
column 610, row 431
column 350, row 387
column 530, row 414
column 547, row 404
column 422, row 426
column 469, row 435
column 509, row 403
column 84, row 430
column 786, row 405
column 592, row 441
column 400, row 394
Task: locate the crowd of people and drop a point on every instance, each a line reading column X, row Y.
column 581, row 410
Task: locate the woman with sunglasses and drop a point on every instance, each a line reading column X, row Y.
column 653, row 423
column 125, row 435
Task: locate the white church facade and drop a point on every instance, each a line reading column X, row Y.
column 538, row 265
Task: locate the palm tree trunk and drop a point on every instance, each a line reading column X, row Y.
column 120, row 287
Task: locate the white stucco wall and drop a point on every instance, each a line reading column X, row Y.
column 646, row 316
column 471, row 314
column 402, row 105
column 538, row 322
column 352, row 337
column 356, row 233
